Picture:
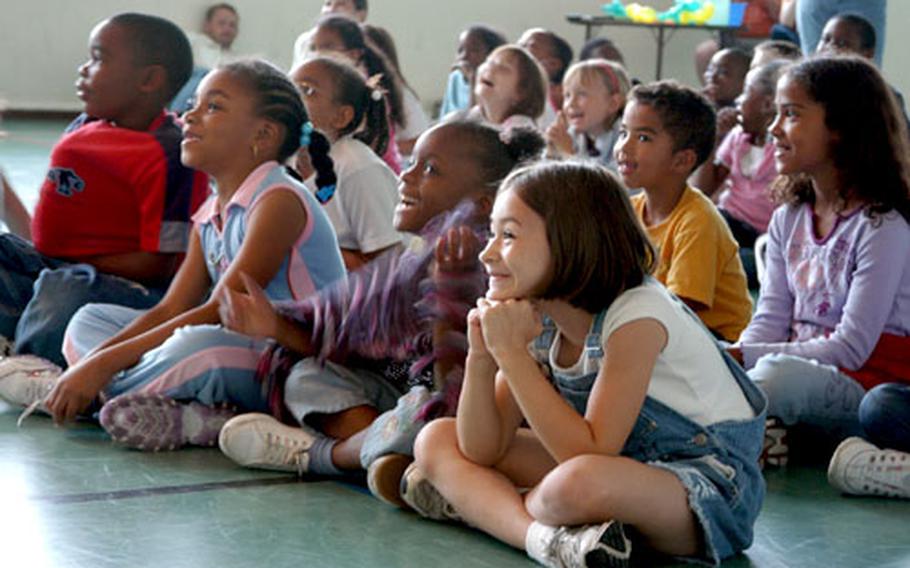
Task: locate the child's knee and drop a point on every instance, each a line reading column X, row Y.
column 432, row 440
column 565, row 493
column 778, row 375
column 882, row 402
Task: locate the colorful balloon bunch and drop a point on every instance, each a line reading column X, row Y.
column 685, row 12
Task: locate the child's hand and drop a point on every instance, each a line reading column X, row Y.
column 558, row 138
column 476, row 343
column 302, row 163
column 75, row 391
column 457, row 250
column 508, row 327
column 251, row 313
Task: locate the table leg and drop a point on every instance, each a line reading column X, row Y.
column 660, row 51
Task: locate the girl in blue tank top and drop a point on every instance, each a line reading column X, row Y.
column 171, row 376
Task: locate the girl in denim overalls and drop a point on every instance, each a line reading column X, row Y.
column 634, row 415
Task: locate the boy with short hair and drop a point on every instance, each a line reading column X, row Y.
column 113, row 216
column 667, row 131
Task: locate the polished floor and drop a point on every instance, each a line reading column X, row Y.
column 71, row 498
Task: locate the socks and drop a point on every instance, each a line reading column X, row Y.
column 320, row 454
column 538, row 542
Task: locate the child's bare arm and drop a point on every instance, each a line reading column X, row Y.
column 13, row 211
column 149, row 268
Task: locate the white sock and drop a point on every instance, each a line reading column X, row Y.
column 538, row 542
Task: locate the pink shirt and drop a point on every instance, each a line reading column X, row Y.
column 746, row 190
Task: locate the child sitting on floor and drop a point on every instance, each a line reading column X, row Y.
column 667, row 131
column 592, row 398
column 833, row 317
column 356, row 342
column 161, row 373
column 740, row 177
column 351, row 113
column 113, row 216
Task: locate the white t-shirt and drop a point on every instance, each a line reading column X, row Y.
column 207, row 54
column 414, row 115
column 363, row 207
column 689, row 376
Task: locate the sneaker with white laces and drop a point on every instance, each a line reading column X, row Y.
column 419, row 494
column 775, row 450
column 860, row 468
column 260, row 441
column 590, row 546
column 384, row 477
column 26, row 380
column 155, row 422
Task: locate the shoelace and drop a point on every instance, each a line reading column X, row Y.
column 568, row 542
column 284, row 450
column 566, row 548
column 33, row 390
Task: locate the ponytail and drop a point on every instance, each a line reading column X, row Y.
column 370, row 123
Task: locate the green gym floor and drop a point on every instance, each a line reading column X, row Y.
column 70, row 498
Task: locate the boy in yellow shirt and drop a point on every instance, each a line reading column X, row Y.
column 667, row 131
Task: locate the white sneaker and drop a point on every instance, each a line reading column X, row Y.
column 590, row 546
column 260, row 441
column 775, row 450
column 860, row 468
column 419, row 494
column 26, row 380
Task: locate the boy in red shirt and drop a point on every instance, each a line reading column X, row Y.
column 113, row 216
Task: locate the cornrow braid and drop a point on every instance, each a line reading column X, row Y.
column 278, row 100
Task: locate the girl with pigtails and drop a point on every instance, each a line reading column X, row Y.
column 351, row 112
column 359, row 369
column 171, row 376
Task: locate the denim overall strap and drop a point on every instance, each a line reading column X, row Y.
column 541, row 347
column 594, row 348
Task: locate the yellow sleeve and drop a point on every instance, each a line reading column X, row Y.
column 692, row 271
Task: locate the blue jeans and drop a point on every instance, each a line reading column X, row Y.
column 885, row 416
column 39, row 295
column 804, row 391
column 812, row 15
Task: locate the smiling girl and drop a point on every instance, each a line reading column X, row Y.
column 588, row 125
column 510, row 89
column 634, row 414
column 160, row 373
column 833, row 317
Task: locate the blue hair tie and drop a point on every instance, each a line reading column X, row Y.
column 324, row 193
column 305, row 134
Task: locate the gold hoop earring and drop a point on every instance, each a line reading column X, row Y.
column 255, row 151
